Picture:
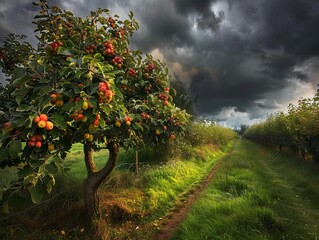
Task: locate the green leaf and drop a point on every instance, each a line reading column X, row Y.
column 23, row 120
column 65, row 72
column 101, row 67
column 50, row 185
column 98, row 56
column 106, row 109
column 23, row 107
column 20, row 94
column 138, row 126
column 44, row 80
column 69, row 106
column 25, row 171
column 44, row 102
column 18, row 73
column 44, row 91
column 22, row 80
column 15, row 147
column 37, row 192
column 93, row 88
column 51, row 168
column 64, row 51
column 92, row 102
column 78, row 105
column 118, row 93
column 86, row 58
column 78, row 73
column 58, row 120
column 57, row 160
column 4, row 153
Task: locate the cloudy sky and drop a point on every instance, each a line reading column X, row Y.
column 241, row 59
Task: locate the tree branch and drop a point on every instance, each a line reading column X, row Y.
column 89, row 161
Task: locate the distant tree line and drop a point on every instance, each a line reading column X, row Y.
column 297, row 130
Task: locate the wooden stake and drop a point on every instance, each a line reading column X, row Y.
column 136, row 162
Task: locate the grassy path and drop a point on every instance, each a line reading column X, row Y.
column 170, row 225
column 257, row 193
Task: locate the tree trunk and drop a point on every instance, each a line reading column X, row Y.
column 88, row 157
column 95, row 178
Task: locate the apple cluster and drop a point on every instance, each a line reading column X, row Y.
column 90, row 48
column 93, row 126
column 148, row 88
column 120, row 33
column 131, row 72
column 149, row 68
column 88, row 137
column 96, row 122
column 145, row 115
column 43, row 122
column 35, row 141
column 57, row 99
column 164, row 98
column 127, row 120
column 109, row 49
column 105, row 92
column 79, row 116
column 53, row 47
column 117, row 61
column 111, row 22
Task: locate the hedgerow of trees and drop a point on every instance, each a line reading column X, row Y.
column 297, row 130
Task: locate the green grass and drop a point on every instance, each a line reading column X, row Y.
column 161, row 187
column 165, row 184
column 75, row 161
column 257, row 194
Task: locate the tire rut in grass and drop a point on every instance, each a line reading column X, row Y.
column 169, row 223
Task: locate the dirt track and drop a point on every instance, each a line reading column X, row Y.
column 169, row 224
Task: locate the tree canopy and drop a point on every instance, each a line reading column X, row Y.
column 80, row 84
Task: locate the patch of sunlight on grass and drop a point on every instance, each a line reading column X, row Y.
column 75, row 161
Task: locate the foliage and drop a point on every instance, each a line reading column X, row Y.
column 183, row 99
column 297, row 130
column 81, row 84
column 198, row 133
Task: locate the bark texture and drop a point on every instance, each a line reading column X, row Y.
column 95, row 178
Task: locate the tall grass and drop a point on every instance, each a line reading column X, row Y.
column 165, row 184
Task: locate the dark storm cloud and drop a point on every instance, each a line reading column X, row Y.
column 210, row 20
column 276, row 35
column 17, row 16
column 162, row 27
column 206, row 18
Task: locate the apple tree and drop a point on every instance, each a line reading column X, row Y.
column 80, row 84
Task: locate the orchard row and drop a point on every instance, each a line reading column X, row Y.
column 298, row 130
